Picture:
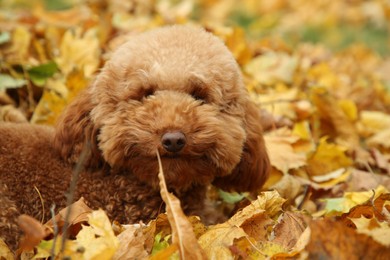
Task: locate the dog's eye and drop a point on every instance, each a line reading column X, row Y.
column 147, row 93
column 199, row 95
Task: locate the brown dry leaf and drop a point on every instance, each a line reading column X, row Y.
column 333, row 240
column 131, row 244
column 288, row 186
column 182, row 233
column 369, row 209
column 379, row 231
column 289, row 229
column 33, row 231
column 258, row 226
column 9, row 113
column 363, row 181
column 281, row 152
column 78, row 215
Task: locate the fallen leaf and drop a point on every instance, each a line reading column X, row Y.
column 272, row 67
column 131, row 244
column 288, row 159
column 289, row 229
column 352, row 199
column 33, row 231
column 5, row 252
column 79, row 51
column 327, row 158
column 269, row 202
column 182, row 233
column 380, row 139
column 332, row 240
column 333, row 117
column 379, row 231
column 216, row 241
column 98, row 239
column 79, row 214
column 372, row 122
column 288, row 187
column 8, row 82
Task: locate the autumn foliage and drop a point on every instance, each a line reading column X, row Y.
column 319, row 72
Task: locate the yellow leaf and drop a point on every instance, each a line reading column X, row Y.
column 237, row 44
column 349, row 108
column 79, row 51
column 333, row 178
column 272, row 67
column 356, row 198
column 182, row 233
column 18, row 51
column 322, row 75
column 278, row 103
column 218, row 238
column 302, row 129
column 56, row 96
column 98, row 239
column 281, row 152
column 372, row 122
column 380, row 139
column 5, row 252
column 327, row 158
column 269, row 202
column 352, row 199
column 379, row 231
column 49, row 107
column 334, row 122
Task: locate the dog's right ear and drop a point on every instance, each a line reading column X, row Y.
column 75, row 131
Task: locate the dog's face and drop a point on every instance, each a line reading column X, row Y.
column 177, row 91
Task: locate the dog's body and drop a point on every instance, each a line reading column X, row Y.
column 176, row 90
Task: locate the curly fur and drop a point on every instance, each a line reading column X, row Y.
column 172, row 79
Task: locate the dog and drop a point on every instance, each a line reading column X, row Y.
column 177, row 90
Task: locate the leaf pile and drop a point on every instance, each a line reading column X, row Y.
column 320, row 74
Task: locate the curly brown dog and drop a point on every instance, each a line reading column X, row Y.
column 177, row 90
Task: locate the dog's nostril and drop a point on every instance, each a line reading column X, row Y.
column 173, row 141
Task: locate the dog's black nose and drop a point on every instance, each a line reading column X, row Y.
column 173, row 141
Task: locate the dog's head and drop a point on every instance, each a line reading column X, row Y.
column 177, row 90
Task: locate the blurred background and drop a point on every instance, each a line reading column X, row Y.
column 319, row 70
column 336, row 23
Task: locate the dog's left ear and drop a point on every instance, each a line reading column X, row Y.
column 253, row 170
column 75, row 131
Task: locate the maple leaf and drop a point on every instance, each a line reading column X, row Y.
column 98, row 239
